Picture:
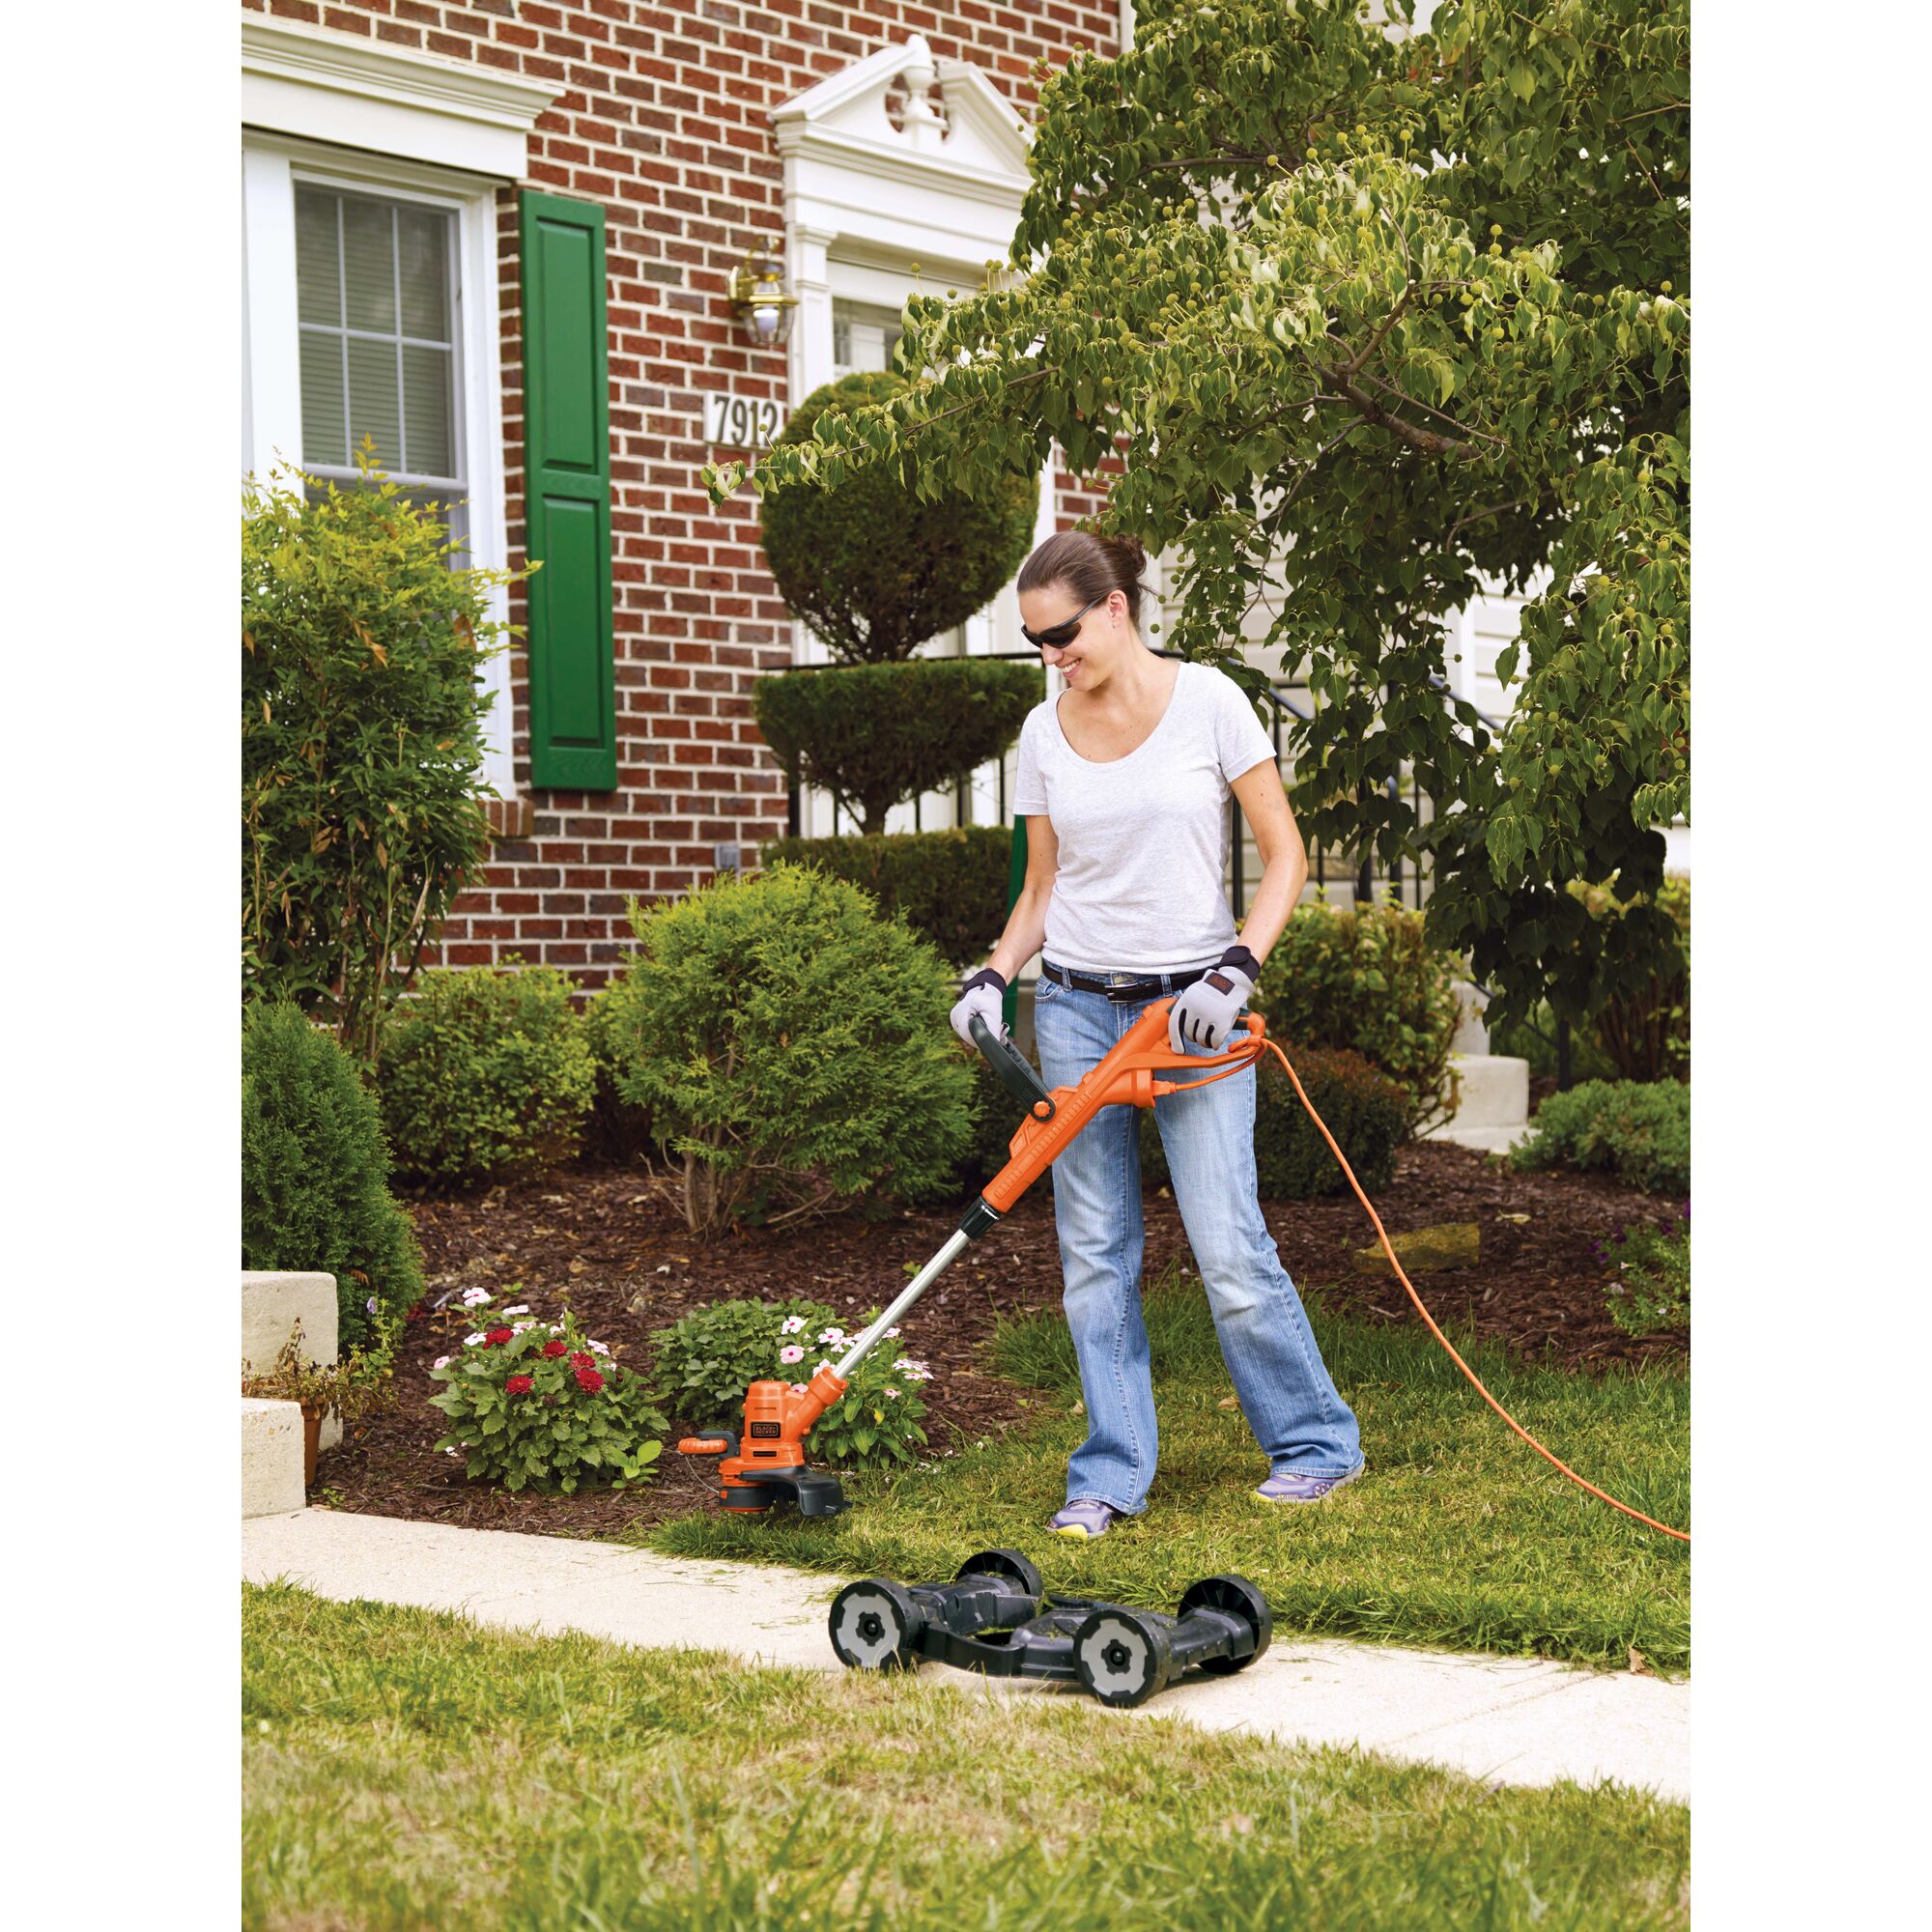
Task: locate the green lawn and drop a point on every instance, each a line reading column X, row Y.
column 404, row 1768
column 1459, row 1535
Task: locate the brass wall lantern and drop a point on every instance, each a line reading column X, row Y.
column 760, row 299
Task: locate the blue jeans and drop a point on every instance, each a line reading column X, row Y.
column 1284, row 1388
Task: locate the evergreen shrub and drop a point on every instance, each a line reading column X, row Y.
column 872, row 567
column 487, row 1075
column 1637, row 1130
column 315, row 1173
column 1366, row 980
column 793, row 1047
column 950, row 887
column 618, row 1129
column 875, row 735
column 363, row 708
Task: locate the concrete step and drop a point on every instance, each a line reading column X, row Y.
column 1486, row 1139
column 1496, row 1091
column 271, row 1458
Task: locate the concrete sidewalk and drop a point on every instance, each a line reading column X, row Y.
column 1512, row 1720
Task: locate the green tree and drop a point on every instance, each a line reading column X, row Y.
column 1368, row 316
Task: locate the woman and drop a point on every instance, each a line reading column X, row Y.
column 1124, row 781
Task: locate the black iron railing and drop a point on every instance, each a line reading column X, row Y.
column 1401, row 884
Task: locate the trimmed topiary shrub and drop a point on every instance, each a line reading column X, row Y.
column 1366, row 980
column 1638, row 1130
column 950, row 887
column 793, row 1047
column 873, row 570
column 315, row 1173
column 1366, row 1111
column 362, row 707
column 487, row 1075
column 874, row 735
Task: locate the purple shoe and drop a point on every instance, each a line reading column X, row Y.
column 1286, row 1486
column 1087, row 1517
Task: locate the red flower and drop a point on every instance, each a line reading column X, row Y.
column 584, row 1359
column 497, row 1335
column 589, row 1380
column 518, row 1386
column 554, row 1347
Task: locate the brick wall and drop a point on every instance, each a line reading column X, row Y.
column 664, row 118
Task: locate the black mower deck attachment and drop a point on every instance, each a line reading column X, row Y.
column 995, row 1617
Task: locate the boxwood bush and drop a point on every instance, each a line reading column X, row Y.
column 487, row 1075
column 874, row 735
column 1366, row 1111
column 315, row 1173
column 1366, row 980
column 1637, row 1130
column 950, row 887
column 793, row 1047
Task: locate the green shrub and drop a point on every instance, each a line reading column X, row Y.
column 874, row 735
column 873, row 569
column 1645, row 1029
column 793, row 1047
column 1650, row 1293
column 711, row 1356
column 1366, row 980
column 315, row 1173
column 618, row 1129
column 539, row 1405
column 361, row 745
column 1639, row 1131
column 950, row 887
column 1366, row 1111
column 487, row 1075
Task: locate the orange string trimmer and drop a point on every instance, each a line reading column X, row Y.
column 1683, row 1536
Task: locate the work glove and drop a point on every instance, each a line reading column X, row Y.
column 984, row 994
column 1204, row 1013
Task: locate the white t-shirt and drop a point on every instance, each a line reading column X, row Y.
column 1142, row 840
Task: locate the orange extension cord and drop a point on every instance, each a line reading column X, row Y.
column 1682, row 1535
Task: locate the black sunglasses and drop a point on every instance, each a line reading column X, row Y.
column 1059, row 636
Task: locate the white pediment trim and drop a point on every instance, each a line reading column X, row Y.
column 977, row 150
column 357, row 93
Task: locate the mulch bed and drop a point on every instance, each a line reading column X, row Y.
column 601, row 1237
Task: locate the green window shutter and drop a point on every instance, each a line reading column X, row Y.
column 567, row 495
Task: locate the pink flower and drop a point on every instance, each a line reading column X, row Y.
column 792, row 1324
column 793, row 1353
column 443, row 1361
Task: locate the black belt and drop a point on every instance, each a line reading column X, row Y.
column 1125, row 993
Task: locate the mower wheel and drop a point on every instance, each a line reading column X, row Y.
column 1122, row 1657
column 1235, row 1596
column 1007, row 1563
column 875, row 1626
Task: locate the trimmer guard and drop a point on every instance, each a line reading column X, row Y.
column 994, row 1617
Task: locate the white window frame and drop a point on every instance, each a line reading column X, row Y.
column 271, row 164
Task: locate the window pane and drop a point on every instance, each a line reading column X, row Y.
column 374, row 408
column 369, row 265
column 422, row 240
column 426, row 410
column 318, row 280
column 325, row 428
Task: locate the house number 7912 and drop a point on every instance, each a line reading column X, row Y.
column 742, row 422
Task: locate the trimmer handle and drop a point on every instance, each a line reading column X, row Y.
column 1015, row 1068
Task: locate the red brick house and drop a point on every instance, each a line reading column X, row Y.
column 502, row 238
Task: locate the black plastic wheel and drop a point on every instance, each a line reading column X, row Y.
column 875, row 1626
column 1123, row 1656
column 1007, row 1563
column 1235, row 1596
